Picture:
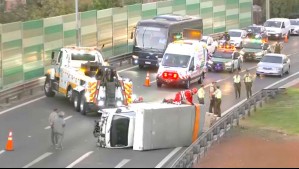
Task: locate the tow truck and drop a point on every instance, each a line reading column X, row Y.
column 80, row 74
column 255, row 49
column 226, row 58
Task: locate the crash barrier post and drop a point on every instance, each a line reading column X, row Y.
column 192, row 155
column 128, row 84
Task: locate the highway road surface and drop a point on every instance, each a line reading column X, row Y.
column 31, row 133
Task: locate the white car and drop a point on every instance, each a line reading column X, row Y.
column 294, row 26
column 211, row 44
column 278, row 27
column 236, row 37
column 274, row 65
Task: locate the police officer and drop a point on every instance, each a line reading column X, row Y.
column 248, row 80
column 277, row 48
column 237, row 85
column 226, row 37
column 218, row 100
column 212, row 97
column 201, row 95
column 250, row 34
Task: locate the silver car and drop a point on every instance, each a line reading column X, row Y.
column 294, row 26
column 274, row 65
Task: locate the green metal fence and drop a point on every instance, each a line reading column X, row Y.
column 25, row 47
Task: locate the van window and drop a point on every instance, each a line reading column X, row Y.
column 175, row 60
column 274, row 24
column 283, row 25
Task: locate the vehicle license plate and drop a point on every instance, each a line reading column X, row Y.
column 148, row 63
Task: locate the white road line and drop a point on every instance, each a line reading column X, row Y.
column 38, row 160
column 122, row 163
column 2, row 151
column 282, row 80
column 168, row 157
column 21, row 105
column 67, row 118
column 127, row 69
column 79, row 160
column 153, row 81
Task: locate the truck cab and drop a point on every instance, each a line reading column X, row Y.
column 183, row 63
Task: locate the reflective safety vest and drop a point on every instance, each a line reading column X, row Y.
column 218, row 94
column 201, row 93
column 247, row 78
column 237, row 79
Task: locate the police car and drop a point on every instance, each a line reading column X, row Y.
column 226, row 58
column 255, row 49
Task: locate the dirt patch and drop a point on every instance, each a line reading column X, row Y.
column 250, row 147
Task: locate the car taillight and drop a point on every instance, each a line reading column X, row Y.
column 170, row 75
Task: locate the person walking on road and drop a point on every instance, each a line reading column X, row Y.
column 201, row 95
column 248, row 80
column 53, row 116
column 237, row 85
column 212, row 97
column 59, row 126
column 218, row 100
column 278, row 48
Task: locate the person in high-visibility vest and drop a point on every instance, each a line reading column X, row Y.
column 218, row 100
column 201, row 95
column 237, row 85
column 248, row 80
column 212, row 97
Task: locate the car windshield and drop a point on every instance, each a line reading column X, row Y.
column 273, row 24
column 234, row 34
column 83, row 57
column 255, row 29
column 223, row 54
column 252, row 45
column 175, row 60
column 295, row 22
column 151, row 38
column 272, row 59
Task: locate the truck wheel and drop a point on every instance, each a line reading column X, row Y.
column 48, row 89
column 83, row 105
column 187, row 85
column 69, row 94
column 77, row 101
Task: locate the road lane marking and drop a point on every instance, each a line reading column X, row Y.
column 2, row 151
column 240, row 103
column 122, row 163
column 79, row 160
column 120, row 71
column 168, row 157
column 21, row 105
column 38, row 160
column 67, row 118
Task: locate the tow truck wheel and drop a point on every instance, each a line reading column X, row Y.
column 69, row 94
column 83, row 105
column 187, row 85
column 48, row 89
column 77, row 101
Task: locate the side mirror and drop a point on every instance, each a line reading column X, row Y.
column 53, row 55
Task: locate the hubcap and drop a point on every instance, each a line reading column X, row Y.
column 47, row 87
column 81, row 106
column 76, row 102
column 69, row 94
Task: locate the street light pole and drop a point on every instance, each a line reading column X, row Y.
column 78, row 39
column 267, row 9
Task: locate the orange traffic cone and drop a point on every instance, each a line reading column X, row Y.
column 286, row 40
column 9, row 145
column 147, row 80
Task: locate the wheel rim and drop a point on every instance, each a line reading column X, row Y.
column 82, row 105
column 76, row 102
column 70, row 94
column 47, row 87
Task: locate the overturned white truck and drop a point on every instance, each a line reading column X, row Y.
column 150, row 126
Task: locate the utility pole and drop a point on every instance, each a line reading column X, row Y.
column 267, row 9
column 78, row 38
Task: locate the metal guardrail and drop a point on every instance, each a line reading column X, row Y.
column 192, row 155
column 16, row 92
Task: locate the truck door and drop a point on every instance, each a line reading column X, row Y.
column 58, row 65
column 64, row 76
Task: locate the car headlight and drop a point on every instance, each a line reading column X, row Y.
column 259, row 53
column 135, row 57
column 101, row 103
column 228, row 64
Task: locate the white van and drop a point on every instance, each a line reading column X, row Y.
column 278, row 27
column 183, row 63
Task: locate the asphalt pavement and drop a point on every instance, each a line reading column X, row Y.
column 31, row 134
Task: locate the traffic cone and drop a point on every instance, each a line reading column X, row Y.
column 9, row 145
column 286, row 40
column 147, row 80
